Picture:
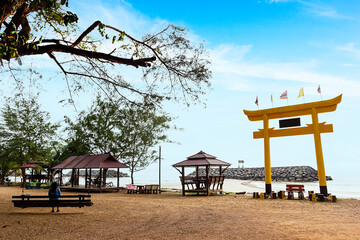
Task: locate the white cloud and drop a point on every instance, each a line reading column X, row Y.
column 349, row 48
column 322, row 10
column 244, row 75
column 278, row 1
column 317, row 9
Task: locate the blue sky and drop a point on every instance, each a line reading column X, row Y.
column 257, row 48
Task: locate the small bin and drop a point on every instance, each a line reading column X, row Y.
column 281, row 194
column 273, row 195
column 332, row 198
column 262, row 195
column 320, row 197
column 312, row 197
column 310, row 192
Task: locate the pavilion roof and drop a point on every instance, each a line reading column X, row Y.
column 90, row 161
column 201, row 159
column 31, row 164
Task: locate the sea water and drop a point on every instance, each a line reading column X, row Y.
column 341, row 188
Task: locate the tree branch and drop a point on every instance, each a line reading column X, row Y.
column 142, row 62
column 87, row 31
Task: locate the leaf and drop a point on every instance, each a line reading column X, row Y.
column 114, row 39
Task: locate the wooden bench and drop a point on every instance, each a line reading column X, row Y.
column 291, row 188
column 216, row 184
column 189, row 182
column 198, row 185
column 43, row 201
column 151, row 189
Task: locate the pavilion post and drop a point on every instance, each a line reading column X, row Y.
column 104, row 176
column 72, row 177
column 197, row 178
column 90, row 178
column 60, row 177
column 78, row 176
column 183, row 180
column 118, row 177
column 86, row 178
column 23, row 172
column 100, row 173
column 207, row 180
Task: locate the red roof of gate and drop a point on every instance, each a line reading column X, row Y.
column 90, row 161
column 201, row 159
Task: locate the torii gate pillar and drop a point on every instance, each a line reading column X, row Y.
column 315, row 128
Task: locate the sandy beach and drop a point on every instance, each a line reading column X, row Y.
column 172, row 216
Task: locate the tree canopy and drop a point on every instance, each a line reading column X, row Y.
column 170, row 62
column 129, row 131
column 26, row 134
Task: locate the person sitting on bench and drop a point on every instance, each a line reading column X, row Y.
column 54, row 194
column 8, row 181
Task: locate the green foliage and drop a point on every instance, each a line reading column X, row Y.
column 47, row 14
column 130, row 131
column 26, row 133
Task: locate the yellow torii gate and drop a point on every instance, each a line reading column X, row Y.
column 315, row 128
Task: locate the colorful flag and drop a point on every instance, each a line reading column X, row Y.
column 272, row 98
column 319, row 89
column 257, row 101
column 301, row 92
column 283, row 95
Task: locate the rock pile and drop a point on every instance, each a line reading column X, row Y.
column 286, row 174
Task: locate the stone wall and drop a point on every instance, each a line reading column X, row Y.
column 287, row 174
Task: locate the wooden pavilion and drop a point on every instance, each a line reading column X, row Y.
column 202, row 183
column 89, row 162
column 35, row 173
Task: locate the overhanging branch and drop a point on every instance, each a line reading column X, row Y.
column 142, row 62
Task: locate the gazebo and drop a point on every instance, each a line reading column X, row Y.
column 38, row 177
column 89, row 162
column 202, row 183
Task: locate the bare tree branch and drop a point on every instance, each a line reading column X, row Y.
column 142, row 62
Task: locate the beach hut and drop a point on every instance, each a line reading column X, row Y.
column 88, row 163
column 205, row 180
column 35, row 172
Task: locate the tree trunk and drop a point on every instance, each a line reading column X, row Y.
column 132, row 176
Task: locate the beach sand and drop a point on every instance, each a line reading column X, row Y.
column 172, row 216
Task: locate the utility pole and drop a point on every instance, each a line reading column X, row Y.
column 159, row 169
